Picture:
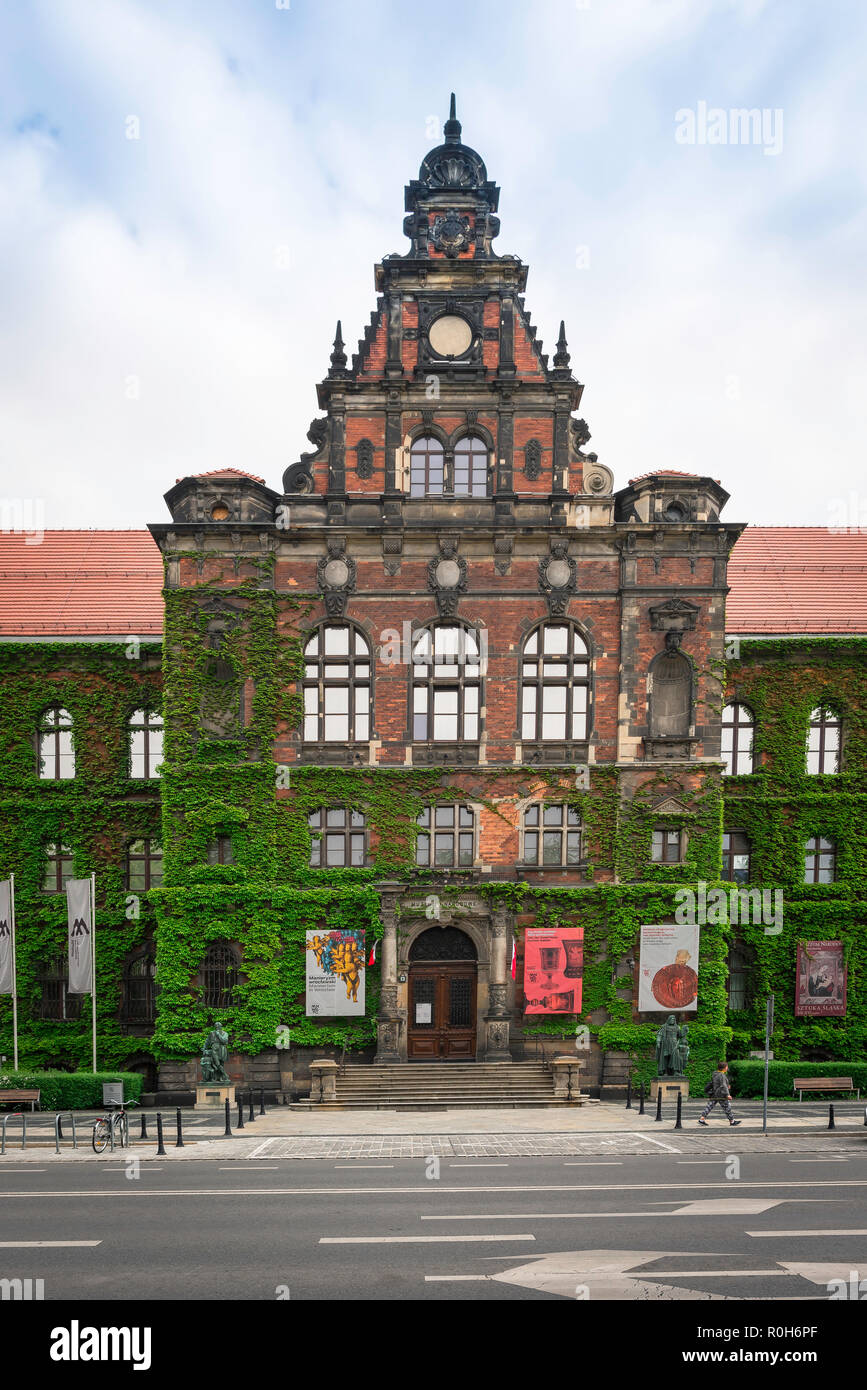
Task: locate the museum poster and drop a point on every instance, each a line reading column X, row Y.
column 668, row 969
column 335, row 974
column 553, row 966
column 820, row 986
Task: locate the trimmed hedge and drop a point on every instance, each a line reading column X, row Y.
column 71, row 1090
column 747, row 1078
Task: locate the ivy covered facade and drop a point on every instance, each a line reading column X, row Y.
column 447, row 684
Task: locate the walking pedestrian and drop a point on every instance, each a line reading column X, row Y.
column 718, row 1090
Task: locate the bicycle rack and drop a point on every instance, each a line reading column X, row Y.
column 5, row 1120
column 58, row 1131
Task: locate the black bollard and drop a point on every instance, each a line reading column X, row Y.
column 641, row 1100
column 251, row 1115
column 161, row 1152
column 240, row 1113
column 865, row 1115
column 179, row 1144
column 831, row 1124
column 659, row 1105
column 60, row 1126
column 629, row 1093
column 144, row 1126
column 677, row 1123
column 262, row 1102
column 228, row 1133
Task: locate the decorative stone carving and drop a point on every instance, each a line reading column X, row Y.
column 451, row 233
column 392, row 548
column 447, row 578
column 220, row 703
column 364, row 458
column 298, row 477
column 503, row 546
column 675, row 615
column 336, row 573
column 533, row 459
column 558, row 578
column 598, row 480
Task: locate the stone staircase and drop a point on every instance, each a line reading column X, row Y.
column 445, row 1086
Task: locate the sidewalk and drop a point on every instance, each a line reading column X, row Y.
column 606, row 1127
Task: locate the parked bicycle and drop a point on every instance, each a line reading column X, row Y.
column 112, row 1127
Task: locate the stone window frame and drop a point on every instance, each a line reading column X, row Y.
column 533, row 826
column 359, row 721
column 540, row 683
column 55, row 745
column 734, row 755
column 824, row 720
column 432, row 685
column 350, row 831
column 148, row 724
column 457, row 832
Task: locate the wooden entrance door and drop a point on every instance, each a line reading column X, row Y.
column 442, row 1011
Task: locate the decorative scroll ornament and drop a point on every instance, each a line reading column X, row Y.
column 336, row 575
column 364, row 459
column 298, row 477
column 447, row 578
column 533, row 459
column 452, row 233
column 558, row 578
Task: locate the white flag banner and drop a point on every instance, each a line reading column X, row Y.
column 80, row 921
column 6, row 971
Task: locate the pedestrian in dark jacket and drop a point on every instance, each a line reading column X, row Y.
column 719, row 1095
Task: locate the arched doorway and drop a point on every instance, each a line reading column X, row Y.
column 442, row 996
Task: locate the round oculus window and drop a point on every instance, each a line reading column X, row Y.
column 448, row 574
column 558, row 574
column 336, row 573
column 450, row 336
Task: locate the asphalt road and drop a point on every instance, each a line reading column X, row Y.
column 769, row 1227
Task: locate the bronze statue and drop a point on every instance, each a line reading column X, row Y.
column 215, row 1054
column 667, row 1048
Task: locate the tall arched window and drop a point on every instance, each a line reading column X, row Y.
column 671, row 695
column 337, row 685
column 823, row 741
column 219, row 976
column 56, row 753
column 54, row 1001
column 426, row 467
column 738, row 727
column 436, row 469
column 446, row 684
column 139, row 988
column 145, row 743
column 471, row 467
column 555, row 684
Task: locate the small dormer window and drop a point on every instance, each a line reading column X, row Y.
column 675, row 511
column 219, row 512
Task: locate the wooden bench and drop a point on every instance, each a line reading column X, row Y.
column 825, row 1083
column 15, row 1097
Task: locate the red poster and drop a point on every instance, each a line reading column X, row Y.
column 820, row 987
column 553, row 967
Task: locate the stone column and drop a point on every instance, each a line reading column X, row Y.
column 388, row 1020
column 497, row 1017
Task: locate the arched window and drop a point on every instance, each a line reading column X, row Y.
column 555, row 684
column 145, row 743
column 337, row 685
column 58, row 867
column 341, row 834
column 56, row 753
column 738, row 727
column 144, row 865
column 823, row 741
column 471, row 467
column 735, row 857
column 54, row 1002
column 139, row 988
column 446, row 684
column 426, row 467
column 446, row 838
column 552, row 835
column 671, row 696
column 219, row 976
column 820, row 860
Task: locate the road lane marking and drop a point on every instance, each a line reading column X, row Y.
column 364, row 1165
column 45, row 1244
column 455, row 1278
column 415, row 1240
column 233, row 1168
column 477, row 1165
column 818, row 1160
column 23, row 1170
column 778, row 1235
column 597, row 1163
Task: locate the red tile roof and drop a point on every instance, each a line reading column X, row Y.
column 797, row 579
column 81, row 584
column 224, row 473
column 784, row 579
column 665, row 473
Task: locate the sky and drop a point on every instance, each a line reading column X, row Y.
column 193, row 192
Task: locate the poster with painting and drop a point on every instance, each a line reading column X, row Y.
column 820, row 986
column 335, row 974
column 553, row 967
column 668, row 968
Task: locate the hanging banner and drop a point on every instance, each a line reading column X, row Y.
column 6, row 948
column 553, row 968
column 335, row 974
column 820, row 984
column 80, row 934
column 668, row 969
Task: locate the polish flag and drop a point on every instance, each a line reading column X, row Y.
column 372, row 960
column 514, row 966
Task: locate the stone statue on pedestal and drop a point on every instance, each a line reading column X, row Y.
column 215, row 1054
column 667, row 1056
